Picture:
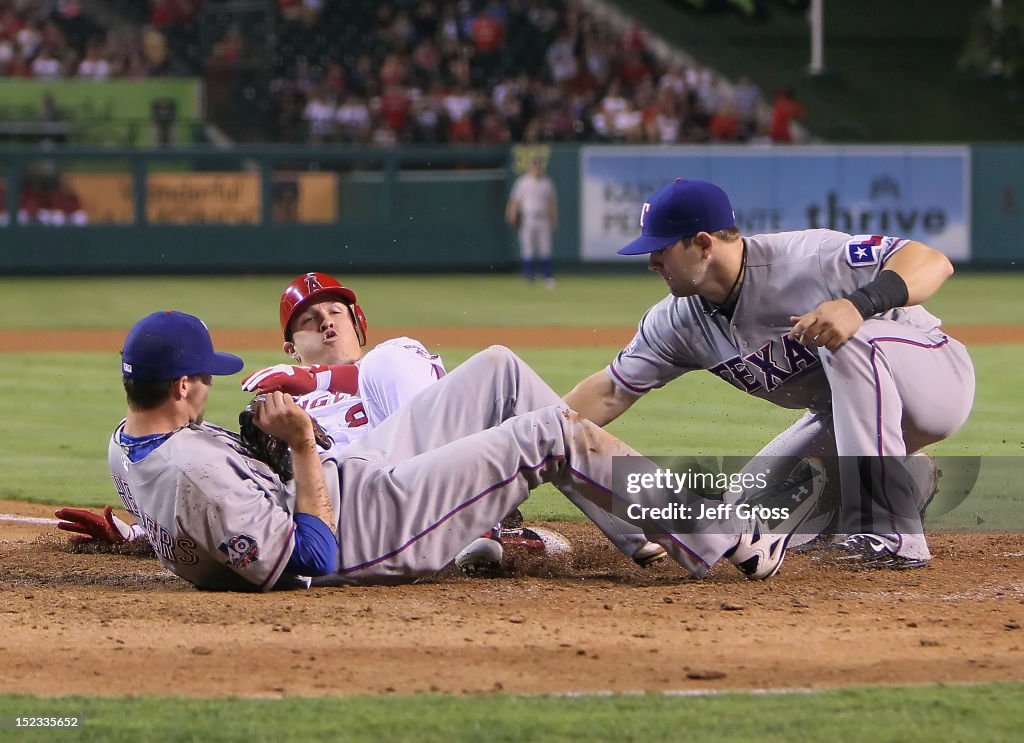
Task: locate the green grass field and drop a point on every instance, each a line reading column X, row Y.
column 54, row 448
column 986, row 712
column 585, row 301
column 59, row 408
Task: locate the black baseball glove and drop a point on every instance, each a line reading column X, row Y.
column 269, row 449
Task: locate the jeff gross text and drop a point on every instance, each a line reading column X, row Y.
column 707, row 512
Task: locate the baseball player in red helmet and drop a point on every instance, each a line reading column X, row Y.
column 348, row 392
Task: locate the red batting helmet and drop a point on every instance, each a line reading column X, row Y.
column 312, row 287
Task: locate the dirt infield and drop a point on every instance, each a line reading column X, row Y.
column 117, row 624
column 22, row 341
column 113, row 624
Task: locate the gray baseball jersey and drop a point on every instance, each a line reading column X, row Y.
column 214, row 515
column 409, row 495
column 390, row 375
column 897, row 385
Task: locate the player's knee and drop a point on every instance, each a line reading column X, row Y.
column 499, row 356
column 855, row 353
column 859, row 345
column 494, row 368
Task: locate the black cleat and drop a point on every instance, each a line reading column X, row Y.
column 874, row 552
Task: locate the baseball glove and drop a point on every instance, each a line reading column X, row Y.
column 271, row 450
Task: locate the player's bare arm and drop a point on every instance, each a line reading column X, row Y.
column 598, row 399
column 915, row 273
column 923, row 270
column 280, row 416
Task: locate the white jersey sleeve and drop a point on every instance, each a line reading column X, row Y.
column 658, row 353
column 393, row 373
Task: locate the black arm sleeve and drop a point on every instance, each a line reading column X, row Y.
column 881, row 295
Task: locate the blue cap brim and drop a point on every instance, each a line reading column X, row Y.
column 225, row 364
column 644, row 244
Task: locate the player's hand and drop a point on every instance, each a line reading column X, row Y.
column 279, row 416
column 106, row 528
column 830, row 324
column 295, row 380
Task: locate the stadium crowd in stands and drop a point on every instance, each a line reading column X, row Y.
column 52, row 39
column 499, row 71
column 414, row 71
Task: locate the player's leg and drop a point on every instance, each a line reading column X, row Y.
column 876, row 493
column 526, row 248
column 544, row 252
column 490, row 387
column 407, row 520
column 788, row 466
column 793, row 456
column 894, row 389
column 810, row 436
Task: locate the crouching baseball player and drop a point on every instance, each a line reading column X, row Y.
column 815, row 319
column 393, row 507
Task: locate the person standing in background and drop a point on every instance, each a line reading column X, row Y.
column 784, row 111
column 533, row 207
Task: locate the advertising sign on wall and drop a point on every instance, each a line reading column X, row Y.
column 922, row 193
column 207, row 198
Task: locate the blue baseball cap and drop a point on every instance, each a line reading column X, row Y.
column 171, row 344
column 681, row 209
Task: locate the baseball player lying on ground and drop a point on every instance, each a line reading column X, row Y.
column 394, row 506
column 349, row 394
column 814, row 319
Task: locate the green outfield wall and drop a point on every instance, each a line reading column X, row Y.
column 197, row 209
column 997, row 195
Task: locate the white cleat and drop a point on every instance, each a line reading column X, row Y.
column 760, row 550
column 481, row 557
column 759, row 555
column 649, row 553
